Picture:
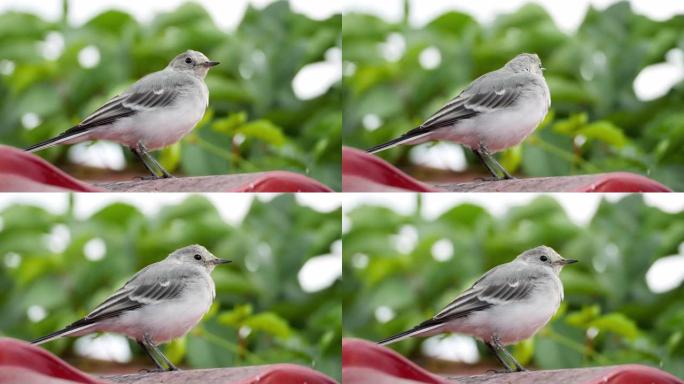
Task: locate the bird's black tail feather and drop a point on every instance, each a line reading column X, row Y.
column 424, row 327
column 66, row 331
column 409, row 136
column 62, row 137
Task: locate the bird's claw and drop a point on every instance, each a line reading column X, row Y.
column 497, row 371
column 154, row 370
column 490, row 178
column 150, row 177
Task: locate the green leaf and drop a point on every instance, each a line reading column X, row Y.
column 271, row 323
column 604, row 131
column 175, row 350
column 583, row 317
column 524, row 351
column 237, row 316
column 512, row 158
column 200, row 352
column 572, row 124
column 110, row 22
column 617, row 323
column 170, row 157
column 263, row 130
column 230, row 123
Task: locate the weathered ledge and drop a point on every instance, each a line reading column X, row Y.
column 206, row 376
column 275, row 181
column 609, row 374
column 602, row 182
column 267, row 374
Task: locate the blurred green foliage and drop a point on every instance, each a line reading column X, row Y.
column 606, row 291
column 250, row 92
column 258, row 291
column 596, row 123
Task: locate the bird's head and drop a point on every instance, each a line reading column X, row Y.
column 526, row 62
column 546, row 257
column 196, row 255
column 193, row 62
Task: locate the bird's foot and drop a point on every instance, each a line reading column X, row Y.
column 152, row 370
column 490, row 178
column 150, row 177
column 497, row 371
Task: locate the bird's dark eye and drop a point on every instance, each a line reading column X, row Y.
column 543, row 258
column 188, row 60
column 198, row 257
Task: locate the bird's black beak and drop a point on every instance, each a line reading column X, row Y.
column 211, row 63
column 220, row 261
column 569, row 261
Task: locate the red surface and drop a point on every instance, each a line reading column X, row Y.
column 281, row 181
column 363, row 172
column 22, row 362
column 364, row 362
column 289, row 374
column 624, row 182
column 639, row 374
column 25, row 172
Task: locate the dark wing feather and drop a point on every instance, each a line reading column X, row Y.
column 127, row 105
column 483, row 297
column 131, row 298
column 467, row 105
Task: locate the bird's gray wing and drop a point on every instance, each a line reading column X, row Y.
column 491, row 91
column 155, row 283
column 483, row 296
column 156, row 90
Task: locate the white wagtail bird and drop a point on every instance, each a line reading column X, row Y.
column 160, row 303
column 509, row 303
column 496, row 111
column 155, row 112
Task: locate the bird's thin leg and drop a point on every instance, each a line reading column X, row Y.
column 503, row 170
column 168, row 362
column 142, row 159
column 497, row 343
column 486, row 164
column 149, row 354
column 498, row 357
column 160, row 353
column 143, row 150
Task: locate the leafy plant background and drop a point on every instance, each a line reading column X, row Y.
column 596, row 123
column 259, row 290
column 251, row 96
column 606, row 292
